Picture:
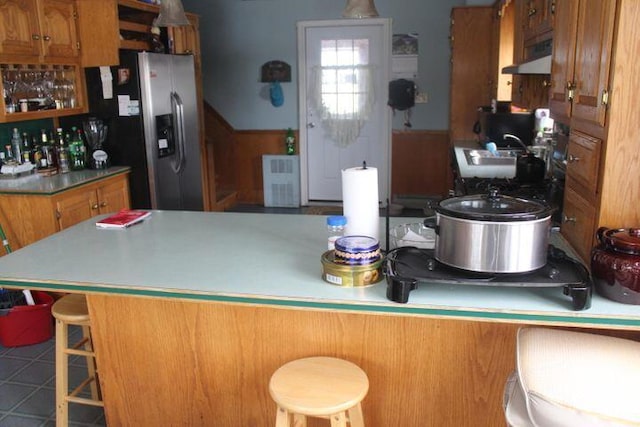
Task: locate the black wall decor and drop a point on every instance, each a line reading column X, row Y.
column 276, row 71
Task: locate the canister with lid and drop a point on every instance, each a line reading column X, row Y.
column 357, row 250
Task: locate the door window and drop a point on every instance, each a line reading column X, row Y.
column 342, row 88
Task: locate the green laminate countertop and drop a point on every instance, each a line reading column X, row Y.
column 37, row 184
column 265, row 259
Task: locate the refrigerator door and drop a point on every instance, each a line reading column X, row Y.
column 170, row 121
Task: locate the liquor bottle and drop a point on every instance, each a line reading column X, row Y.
column 290, row 142
column 76, row 150
column 48, row 150
column 36, row 154
column 63, row 152
column 26, row 149
column 16, row 146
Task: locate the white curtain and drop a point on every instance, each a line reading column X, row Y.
column 342, row 96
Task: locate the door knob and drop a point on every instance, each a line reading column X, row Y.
column 311, row 125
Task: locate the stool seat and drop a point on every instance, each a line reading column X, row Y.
column 71, row 308
column 320, row 387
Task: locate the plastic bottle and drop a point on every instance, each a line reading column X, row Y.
column 290, row 141
column 16, row 146
column 335, row 229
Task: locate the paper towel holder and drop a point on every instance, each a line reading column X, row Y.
column 364, row 164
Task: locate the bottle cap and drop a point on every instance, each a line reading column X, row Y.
column 336, row 220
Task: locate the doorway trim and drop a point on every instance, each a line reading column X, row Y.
column 302, row 26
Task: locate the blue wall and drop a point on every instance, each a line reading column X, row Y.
column 238, row 36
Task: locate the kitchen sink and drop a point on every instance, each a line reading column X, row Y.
column 476, row 157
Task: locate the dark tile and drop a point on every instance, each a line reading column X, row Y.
column 31, row 351
column 16, row 421
column 41, row 403
column 86, row 414
column 37, row 373
column 10, row 366
column 12, row 394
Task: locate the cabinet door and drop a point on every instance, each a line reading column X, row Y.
column 19, row 30
column 537, row 20
column 75, row 207
column 594, row 43
column 472, row 76
column 114, row 196
column 583, row 162
column 578, row 223
column 562, row 66
column 59, row 33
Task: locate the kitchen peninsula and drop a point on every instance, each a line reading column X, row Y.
column 192, row 312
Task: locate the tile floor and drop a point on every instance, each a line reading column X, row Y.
column 27, row 387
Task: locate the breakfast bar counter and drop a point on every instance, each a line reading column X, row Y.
column 192, row 312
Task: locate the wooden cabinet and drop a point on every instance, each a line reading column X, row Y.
column 602, row 184
column 34, row 216
column 537, row 20
column 473, row 79
column 38, row 29
column 79, row 205
column 582, row 54
column 98, row 32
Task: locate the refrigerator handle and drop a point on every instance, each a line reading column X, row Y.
column 177, row 108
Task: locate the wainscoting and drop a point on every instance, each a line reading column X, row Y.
column 420, row 164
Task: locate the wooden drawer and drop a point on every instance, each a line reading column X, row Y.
column 583, row 162
column 578, row 223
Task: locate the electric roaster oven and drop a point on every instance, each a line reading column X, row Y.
column 489, row 239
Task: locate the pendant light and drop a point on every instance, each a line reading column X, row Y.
column 359, row 9
column 171, row 14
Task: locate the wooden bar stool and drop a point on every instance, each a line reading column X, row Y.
column 322, row 387
column 72, row 310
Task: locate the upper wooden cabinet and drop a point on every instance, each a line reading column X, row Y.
column 582, row 52
column 38, row 30
column 537, row 20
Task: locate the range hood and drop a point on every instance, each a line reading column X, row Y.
column 535, row 66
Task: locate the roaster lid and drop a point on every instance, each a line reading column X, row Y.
column 493, row 206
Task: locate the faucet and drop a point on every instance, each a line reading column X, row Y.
column 511, row 136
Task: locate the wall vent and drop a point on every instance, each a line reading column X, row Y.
column 281, row 181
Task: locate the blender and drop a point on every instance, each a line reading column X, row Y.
column 96, row 133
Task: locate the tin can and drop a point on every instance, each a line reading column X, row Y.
column 357, row 250
column 350, row 276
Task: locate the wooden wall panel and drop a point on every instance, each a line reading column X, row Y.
column 420, row 163
column 251, row 145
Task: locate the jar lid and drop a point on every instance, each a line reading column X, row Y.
column 336, row 220
column 493, row 207
column 625, row 240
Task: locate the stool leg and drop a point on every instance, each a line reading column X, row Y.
column 283, row 418
column 339, row 419
column 91, row 364
column 299, row 420
column 62, row 375
column 355, row 416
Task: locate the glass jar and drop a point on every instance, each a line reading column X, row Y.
column 335, row 228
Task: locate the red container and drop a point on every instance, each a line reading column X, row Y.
column 28, row 324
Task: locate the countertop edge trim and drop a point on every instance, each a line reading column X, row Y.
column 125, row 170
column 398, row 309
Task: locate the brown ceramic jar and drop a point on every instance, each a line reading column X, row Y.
column 615, row 264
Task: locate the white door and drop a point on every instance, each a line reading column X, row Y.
column 344, row 118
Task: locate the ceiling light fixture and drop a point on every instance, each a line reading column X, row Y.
column 360, row 9
column 171, row 14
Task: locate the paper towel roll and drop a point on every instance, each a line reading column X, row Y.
column 360, row 201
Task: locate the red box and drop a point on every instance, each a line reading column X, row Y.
column 28, row 324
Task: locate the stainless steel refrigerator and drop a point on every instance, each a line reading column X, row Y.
column 153, row 127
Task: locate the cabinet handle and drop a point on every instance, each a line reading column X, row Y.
column 605, row 97
column 35, row 36
column 46, row 38
column 570, row 91
column 94, row 207
column 103, row 204
column 532, row 11
column 573, row 158
column 569, row 219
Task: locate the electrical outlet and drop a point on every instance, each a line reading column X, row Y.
column 421, row 98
